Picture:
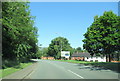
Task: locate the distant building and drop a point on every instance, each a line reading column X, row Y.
column 44, row 58
column 65, row 54
column 80, row 56
column 49, row 58
column 87, row 57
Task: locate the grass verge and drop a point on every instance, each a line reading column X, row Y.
column 10, row 70
column 75, row 61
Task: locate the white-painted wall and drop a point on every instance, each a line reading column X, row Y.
column 100, row 59
column 63, row 54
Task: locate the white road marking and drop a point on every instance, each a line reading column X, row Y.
column 76, row 74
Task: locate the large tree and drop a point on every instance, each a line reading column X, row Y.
column 103, row 36
column 57, row 45
column 19, row 34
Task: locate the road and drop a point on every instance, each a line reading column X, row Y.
column 48, row 69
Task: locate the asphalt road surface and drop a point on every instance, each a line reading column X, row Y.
column 48, row 69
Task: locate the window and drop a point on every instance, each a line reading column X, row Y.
column 66, row 54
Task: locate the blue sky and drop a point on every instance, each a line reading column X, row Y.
column 67, row 19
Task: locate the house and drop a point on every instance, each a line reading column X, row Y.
column 79, row 56
column 87, row 57
column 49, row 58
column 44, row 58
column 96, row 59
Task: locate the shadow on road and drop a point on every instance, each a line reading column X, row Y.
column 101, row 67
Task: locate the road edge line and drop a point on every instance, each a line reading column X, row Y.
column 30, row 72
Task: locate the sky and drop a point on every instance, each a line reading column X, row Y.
column 67, row 19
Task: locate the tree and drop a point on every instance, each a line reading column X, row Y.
column 79, row 49
column 42, row 52
column 57, row 45
column 19, row 34
column 103, row 36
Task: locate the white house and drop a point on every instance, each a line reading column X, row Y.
column 96, row 59
column 87, row 57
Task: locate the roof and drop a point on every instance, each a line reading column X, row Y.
column 81, row 55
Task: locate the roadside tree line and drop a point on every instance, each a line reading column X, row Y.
column 57, row 45
column 103, row 36
column 19, row 35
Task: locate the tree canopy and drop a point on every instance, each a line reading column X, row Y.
column 18, row 30
column 57, row 45
column 42, row 52
column 79, row 49
column 103, row 36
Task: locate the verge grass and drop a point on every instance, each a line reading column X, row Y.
column 75, row 61
column 10, row 70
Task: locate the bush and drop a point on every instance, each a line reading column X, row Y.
column 9, row 63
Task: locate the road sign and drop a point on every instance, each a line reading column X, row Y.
column 65, row 54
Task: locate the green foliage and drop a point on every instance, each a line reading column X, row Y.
column 19, row 34
column 57, row 45
column 103, row 36
column 42, row 52
column 0, row 13
column 78, row 50
column 10, row 70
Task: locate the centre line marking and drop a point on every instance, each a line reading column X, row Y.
column 76, row 74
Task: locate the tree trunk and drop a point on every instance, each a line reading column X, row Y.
column 106, row 57
column 118, row 56
column 109, row 57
